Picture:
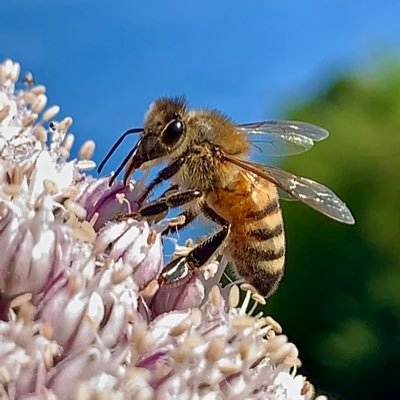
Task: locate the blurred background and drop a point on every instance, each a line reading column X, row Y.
column 333, row 63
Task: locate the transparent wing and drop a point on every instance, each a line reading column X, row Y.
column 287, row 129
column 280, row 138
column 305, row 190
column 285, row 196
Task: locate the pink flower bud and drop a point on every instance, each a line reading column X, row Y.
column 98, row 197
column 74, row 315
column 39, row 248
column 181, row 295
column 136, row 246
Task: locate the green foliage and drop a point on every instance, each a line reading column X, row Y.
column 340, row 298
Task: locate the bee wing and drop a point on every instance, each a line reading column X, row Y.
column 279, row 138
column 285, row 196
column 305, row 190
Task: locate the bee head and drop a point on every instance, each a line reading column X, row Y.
column 164, row 130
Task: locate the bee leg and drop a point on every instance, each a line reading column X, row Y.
column 209, row 213
column 161, row 206
column 172, row 189
column 136, row 215
column 183, row 219
column 188, row 216
column 158, row 209
column 181, row 267
column 166, row 173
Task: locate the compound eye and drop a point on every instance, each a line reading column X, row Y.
column 173, row 132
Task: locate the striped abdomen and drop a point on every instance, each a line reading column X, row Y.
column 258, row 248
column 256, row 243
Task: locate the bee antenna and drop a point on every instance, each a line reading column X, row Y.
column 116, row 144
column 121, row 166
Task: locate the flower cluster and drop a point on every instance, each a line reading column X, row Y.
column 82, row 313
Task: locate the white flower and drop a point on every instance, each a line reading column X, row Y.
column 84, row 313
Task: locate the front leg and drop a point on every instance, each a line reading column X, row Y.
column 166, row 173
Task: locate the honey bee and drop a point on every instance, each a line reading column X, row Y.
column 212, row 161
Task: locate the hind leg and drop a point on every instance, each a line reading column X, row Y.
column 179, row 268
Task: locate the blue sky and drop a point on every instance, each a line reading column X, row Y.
column 103, row 62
